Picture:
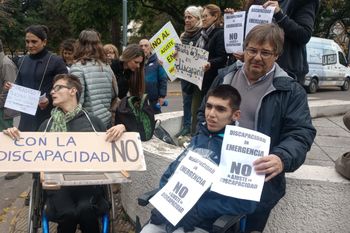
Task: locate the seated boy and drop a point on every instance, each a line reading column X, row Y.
column 221, row 109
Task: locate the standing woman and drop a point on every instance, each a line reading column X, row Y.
column 95, row 76
column 36, row 71
column 212, row 40
column 129, row 71
column 193, row 27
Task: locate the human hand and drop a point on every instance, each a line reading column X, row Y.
column 229, row 11
column 271, row 165
column 13, row 133
column 7, row 85
column 161, row 101
column 43, row 103
column 239, row 56
column 206, row 67
column 115, row 132
column 273, row 4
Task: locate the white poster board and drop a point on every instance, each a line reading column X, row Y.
column 163, row 44
column 240, row 148
column 23, row 99
column 234, row 31
column 70, row 152
column 190, row 62
column 258, row 15
column 191, row 179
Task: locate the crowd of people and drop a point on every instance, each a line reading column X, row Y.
column 257, row 89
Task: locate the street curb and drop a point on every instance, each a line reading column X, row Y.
column 11, row 217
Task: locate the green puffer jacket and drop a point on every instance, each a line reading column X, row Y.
column 98, row 89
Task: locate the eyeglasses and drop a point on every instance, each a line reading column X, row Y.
column 263, row 53
column 56, row 88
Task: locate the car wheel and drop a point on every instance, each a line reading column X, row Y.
column 312, row 88
column 345, row 86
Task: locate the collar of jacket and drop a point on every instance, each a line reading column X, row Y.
column 39, row 55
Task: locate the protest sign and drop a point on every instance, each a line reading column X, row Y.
column 190, row 180
column 258, row 15
column 22, row 99
column 163, row 44
column 234, row 31
column 240, row 148
column 70, row 151
column 189, row 63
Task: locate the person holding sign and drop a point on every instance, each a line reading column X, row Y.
column 36, row 71
column 193, row 28
column 129, row 71
column 70, row 206
column 212, row 40
column 221, row 109
column 274, row 104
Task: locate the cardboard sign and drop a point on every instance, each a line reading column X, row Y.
column 191, row 179
column 163, row 44
column 189, row 64
column 70, row 152
column 23, row 99
column 234, row 31
column 240, row 148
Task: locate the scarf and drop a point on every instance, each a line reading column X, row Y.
column 60, row 119
column 204, row 38
column 191, row 36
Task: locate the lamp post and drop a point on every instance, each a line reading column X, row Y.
column 125, row 22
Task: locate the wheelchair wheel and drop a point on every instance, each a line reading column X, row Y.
column 107, row 221
column 35, row 206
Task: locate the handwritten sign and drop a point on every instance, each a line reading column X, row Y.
column 69, row 152
column 258, row 15
column 190, row 180
column 190, row 62
column 234, row 31
column 240, row 148
column 23, row 99
column 163, row 44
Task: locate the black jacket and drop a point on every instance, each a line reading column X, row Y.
column 217, row 57
column 297, row 20
column 284, row 115
column 122, row 76
column 30, row 74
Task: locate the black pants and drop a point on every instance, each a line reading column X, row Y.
column 257, row 220
column 81, row 205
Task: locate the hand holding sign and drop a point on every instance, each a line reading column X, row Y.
column 271, row 165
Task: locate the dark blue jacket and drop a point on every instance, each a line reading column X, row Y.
column 211, row 205
column 30, row 74
column 284, row 115
column 155, row 79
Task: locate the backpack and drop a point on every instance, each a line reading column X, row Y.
column 137, row 115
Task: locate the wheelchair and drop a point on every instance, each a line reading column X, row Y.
column 42, row 182
column 224, row 224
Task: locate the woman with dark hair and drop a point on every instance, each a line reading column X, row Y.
column 67, row 52
column 96, row 76
column 129, row 71
column 212, row 40
column 37, row 70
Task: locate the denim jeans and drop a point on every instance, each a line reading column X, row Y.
column 187, row 104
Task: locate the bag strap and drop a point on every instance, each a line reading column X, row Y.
column 42, row 79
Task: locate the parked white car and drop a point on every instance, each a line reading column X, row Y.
column 327, row 65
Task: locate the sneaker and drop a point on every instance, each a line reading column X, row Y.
column 184, row 131
column 12, row 175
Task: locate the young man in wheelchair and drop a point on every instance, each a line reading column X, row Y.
column 81, row 205
column 221, row 109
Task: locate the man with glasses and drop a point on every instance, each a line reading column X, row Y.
column 273, row 103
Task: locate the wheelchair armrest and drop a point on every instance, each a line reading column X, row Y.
column 144, row 199
column 225, row 222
